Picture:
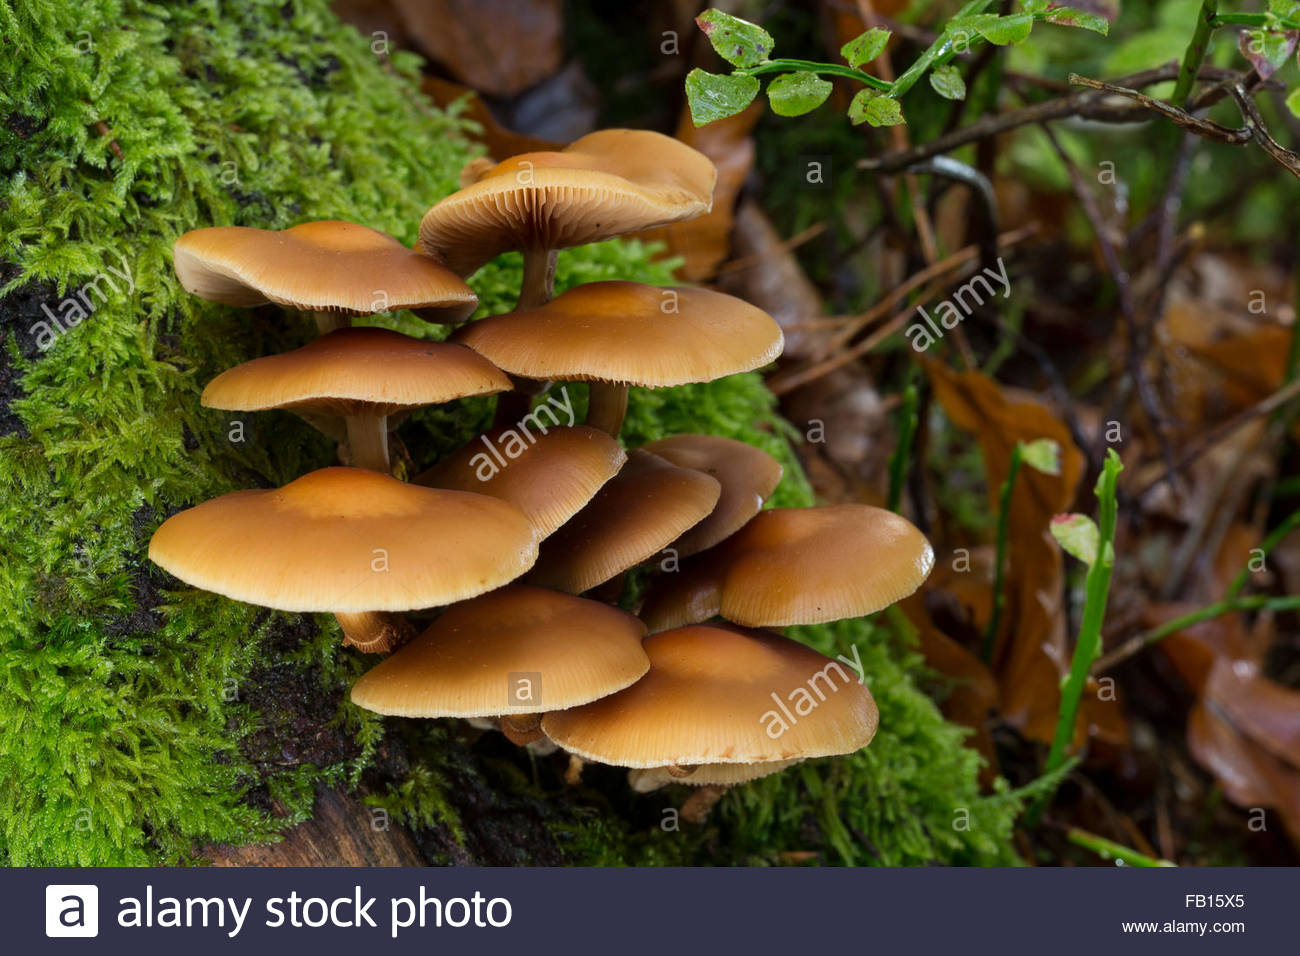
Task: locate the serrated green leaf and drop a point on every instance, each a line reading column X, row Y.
column 1077, row 535
column 737, row 41
column 1042, row 455
column 875, row 109
column 865, row 47
column 948, row 83
column 1003, row 31
column 714, row 97
column 1083, row 19
column 793, row 94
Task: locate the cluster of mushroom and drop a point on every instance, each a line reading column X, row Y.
column 506, row 535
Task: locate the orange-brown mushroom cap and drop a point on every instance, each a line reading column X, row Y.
column 630, row 333
column 722, row 695
column 644, row 507
column 603, row 185
column 747, row 474
column 797, row 566
column 326, row 266
column 520, row 649
column 548, row 476
column 347, row 540
column 357, row 370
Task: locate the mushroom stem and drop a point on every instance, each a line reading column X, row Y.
column 573, row 773
column 538, row 286
column 375, row 632
column 327, row 322
column 681, row 771
column 606, row 407
column 522, row 729
column 697, row 806
column 368, row 441
column 513, row 406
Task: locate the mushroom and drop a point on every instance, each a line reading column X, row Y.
column 797, row 566
column 349, row 541
column 646, row 506
column 603, row 185
column 480, row 656
column 616, row 334
column 549, row 476
column 722, row 695
column 649, row 779
column 361, row 374
column 332, row 269
column 748, row 477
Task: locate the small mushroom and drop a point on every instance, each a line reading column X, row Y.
column 348, row 541
column 510, row 654
column 797, row 566
column 646, row 506
column 722, row 695
column 332, row 269
column 616, row 334
column 363, row 375
column 747, row 474
column 604, row 185
column 548, row 476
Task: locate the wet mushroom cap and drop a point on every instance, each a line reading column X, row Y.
column 347, row 540
column 548, row 476
column 570, row 649
column 603, row 185
column 647, row 505
column 630, row 333
column 354, row 371
column 798, row 566
column 326, row 266
column 722, row 695
column 748, row 477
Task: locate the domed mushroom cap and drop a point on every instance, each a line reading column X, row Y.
column 549, row 478
column 722, row 695
column 355, row 370
column 646, row 779
column 572, row 650
column 748, row 477
column 797, row 566
column 603, row 185
column 326, row 266
column 644, row 507
column 347, row 540
column 630, row 333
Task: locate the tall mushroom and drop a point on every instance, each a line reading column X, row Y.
column 616, row 334
column 604, row 185
column 349, row 541
column 363, row 375
column 331, row 269
column 796, row 566
column 510, row 654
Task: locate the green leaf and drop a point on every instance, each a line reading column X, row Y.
column 875, row 109
column 1084, row 19
column 865, row 47
column 948, row 83
column 737, row 41
column 1077, row 535
column 794, row 94
column 1003, row 31
column 714, row 97
column 1042, row 455
column 1035, row 6
column 1285, row 8
column 1293, row 101
column 1266, row 51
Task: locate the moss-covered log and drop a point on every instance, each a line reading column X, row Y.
column 141, row 719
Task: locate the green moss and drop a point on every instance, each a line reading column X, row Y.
column 140, row 719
